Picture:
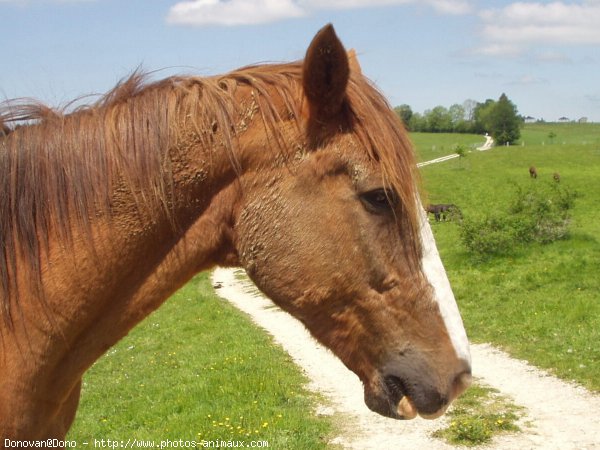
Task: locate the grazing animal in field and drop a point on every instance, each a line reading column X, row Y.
column 282, row 169
column 556, row 177
column 441, row 211
column 533, row 172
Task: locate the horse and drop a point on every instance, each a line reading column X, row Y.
column 532, row 172
column 299, row 172
column 439, row 211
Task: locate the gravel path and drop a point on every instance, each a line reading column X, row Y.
column 562, row 416
column 489, row 142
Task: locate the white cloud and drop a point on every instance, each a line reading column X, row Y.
column 232, row 12
column 451, row 6
column 524, row 24
column 251, row 12
column 441, row 6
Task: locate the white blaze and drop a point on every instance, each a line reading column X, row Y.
column 436, row 274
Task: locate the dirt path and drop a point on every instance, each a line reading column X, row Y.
column 487, row 145
column 562, row 416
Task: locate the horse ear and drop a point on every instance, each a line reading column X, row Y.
column 353, row 61
column 325, row 75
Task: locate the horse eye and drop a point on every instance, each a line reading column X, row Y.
column 379, row 200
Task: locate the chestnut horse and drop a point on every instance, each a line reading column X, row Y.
column 301, row 173
column 532, row 172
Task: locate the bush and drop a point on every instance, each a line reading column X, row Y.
column 537, row 214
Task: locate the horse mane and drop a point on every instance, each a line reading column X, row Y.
column 58, row 166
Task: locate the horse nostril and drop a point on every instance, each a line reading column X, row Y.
column 461, row 383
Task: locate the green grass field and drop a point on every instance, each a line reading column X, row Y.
column 198, row 369
column 541, row 303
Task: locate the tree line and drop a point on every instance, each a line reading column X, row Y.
column 499, row 118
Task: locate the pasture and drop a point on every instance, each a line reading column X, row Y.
column 540, row 303
column 197, row 369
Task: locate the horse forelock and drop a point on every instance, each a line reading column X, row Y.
column 386, row 142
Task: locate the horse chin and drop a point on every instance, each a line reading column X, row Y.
column 391, row 399
column 382, row 405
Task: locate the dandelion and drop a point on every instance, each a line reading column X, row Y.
column 265, row 424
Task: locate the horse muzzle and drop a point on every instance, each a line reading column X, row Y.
column 399, row 396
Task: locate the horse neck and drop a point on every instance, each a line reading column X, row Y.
column 115, row 261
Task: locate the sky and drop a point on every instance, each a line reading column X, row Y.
column 544, row 55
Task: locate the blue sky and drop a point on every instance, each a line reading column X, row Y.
column 545, row 55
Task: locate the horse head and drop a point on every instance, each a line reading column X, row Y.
column 336, row 235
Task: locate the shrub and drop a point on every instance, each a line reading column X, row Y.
column 539, row 213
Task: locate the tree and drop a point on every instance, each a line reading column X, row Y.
column 457, row 116
column 417, row 123
column 503, row 121
column 461, row 152
column 439, row 120
column 481, row 115
column 405, row 113
column 469, row 106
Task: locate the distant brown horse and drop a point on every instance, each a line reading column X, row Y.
column 301, row 173
column 443, row 210
column 532, row 172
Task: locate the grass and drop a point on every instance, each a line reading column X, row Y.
column 195, row 370
column 434, row 145
column 540, row 303
column 566, row 134
column 478, row 415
